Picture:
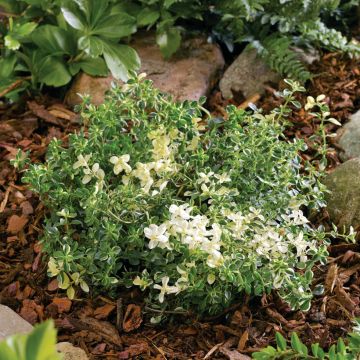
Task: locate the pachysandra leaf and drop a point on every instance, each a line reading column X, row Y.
column 121, row 59
column 54, row 40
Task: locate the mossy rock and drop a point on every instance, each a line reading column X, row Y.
column 343, row 201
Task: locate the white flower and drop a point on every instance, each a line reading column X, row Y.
column 142, row 172
column 223, row 178
column 138, row 281
column 182, row 282
column 310, row 103
column 320, row 98
column 193, row 144
column 214, row 260
column 158, row 236
column 121, row 164
column 82, row 161
column 296, row 217
column 165, row 289
column 211, row 279
column 216, row 232
column 161, row 149
column 205, row 178
column 183, row 211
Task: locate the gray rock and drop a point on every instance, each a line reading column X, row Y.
column 248, row 75
column 11, row 323
column 343, row 202
column 349, row 138
column 71, row 352
column 188, row 75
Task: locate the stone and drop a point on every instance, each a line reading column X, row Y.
column 349, row 138
column 247, row 75
column 189, row 74
column 343, row 201
column 71, row 352
column 11, row 323
column 83, row 84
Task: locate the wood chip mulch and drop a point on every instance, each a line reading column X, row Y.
column 120, row 328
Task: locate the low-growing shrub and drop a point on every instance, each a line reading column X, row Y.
column 193, row 211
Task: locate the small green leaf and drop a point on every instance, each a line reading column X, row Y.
column 280, row 341
column 70, row 292
column 84, row 286
column 315, row 349
column 333, row 121
column 297, row 345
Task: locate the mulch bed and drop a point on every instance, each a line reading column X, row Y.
column 120, row 328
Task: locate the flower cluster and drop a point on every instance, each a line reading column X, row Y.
column 193, row 213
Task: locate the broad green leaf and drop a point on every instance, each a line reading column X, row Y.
column 92, row 45
column 121, row 59
column 147, row 16
column 74, row 18
column 124, row 6
column 53, row 72
column 169, row 41
column 7, row 65
column 93, row 10
column 13, row 348
column 54, row 40
column 115, row 26
column 41, row 342
column 94, row 67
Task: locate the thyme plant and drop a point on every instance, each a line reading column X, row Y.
column 194, row 212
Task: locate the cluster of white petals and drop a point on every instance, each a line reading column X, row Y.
column 90, row 172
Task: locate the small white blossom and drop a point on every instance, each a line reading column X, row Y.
column 82, row 161
column 121, row 164
column 205, row 178
column 158, row 236
column 165, row 289
column 215, row 260
column 223, row 178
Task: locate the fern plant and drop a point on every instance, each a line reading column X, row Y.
column 343, row 350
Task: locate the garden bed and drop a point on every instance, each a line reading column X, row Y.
column 120, row 327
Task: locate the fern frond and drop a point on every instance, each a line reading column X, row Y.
column 276, row 53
